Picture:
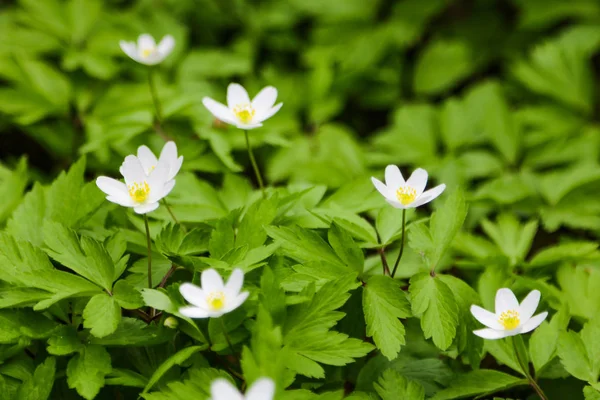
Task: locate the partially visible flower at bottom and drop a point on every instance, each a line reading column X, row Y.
column 140, row 191
column 214, row 298
column 261, row 389
column 510, row 318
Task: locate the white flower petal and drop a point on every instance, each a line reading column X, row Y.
column 219, row 111
column 166, row 45
column 235, row 282
column 381, row 188
column 418, row 180
column 145, row 208
column 147, row 158
column 261, row 389
column 487, row 318
column 193, row 295
column 236, row 95
column 267, row 114
column 534, row 322
column 235, row 302
column 393, row 178
column 132, row 170
column 111, row 187
column 122, row 200
column 506, row 300
column 529, row 305
column 429, row 195
column 492, row 334
column 211, row 281
column 157, row 179
column 168, row 154
column 129, row 48
column 397, row 204
column 264, row 100
column 194, row 312
column 247, row 127
column 222, row 389
column 146, row 42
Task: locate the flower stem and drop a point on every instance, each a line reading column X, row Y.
column 157, row 108
column 149, row 242
column 170, row 211
column 525, row 369
column 254, row 165
column 226, row 335
column 401, row 243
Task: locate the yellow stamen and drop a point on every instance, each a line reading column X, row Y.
column 139, row 192
column 244, row 112
column 216, row 300
column 147, row 52
column 510, row 319
column 406, row 195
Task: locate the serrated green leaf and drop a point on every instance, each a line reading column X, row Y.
column 86, row 371
column 479, row 382
column 39, row 386
column 176, row 359
column 391, row 386
column 127, row 296
column 102, row 315
column 345, row 247
column 383, row 304
column 433, row 301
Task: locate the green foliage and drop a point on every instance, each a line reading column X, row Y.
column 496, row 100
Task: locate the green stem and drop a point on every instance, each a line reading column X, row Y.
column 401, row 243
column 170, row 211
column 254, row 165
column 154, row 94
column 226, row 335
column 525, row 369
column 149, row 242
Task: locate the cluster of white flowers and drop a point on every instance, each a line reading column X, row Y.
column 147, row 179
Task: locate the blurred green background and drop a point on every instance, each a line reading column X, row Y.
column 497, row 96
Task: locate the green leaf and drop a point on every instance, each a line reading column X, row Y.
column 389, row 224
column 86, row 371
column 442, row 65
column 251, row 231
column 102, row 315
column 84, row 255
column 196, row 386
column 39, row 386
column 573, row 356
column 383, row 304
column 513, row 239
column 481, row 382
column 572, row 251
column 392, row 386
column 64, row 341
column 433, row 301
column 176, row 359
column 125, row 377
column 544, row 340
column 307, row 336
column 68, row 200
column 135, row 332
column 303, row 245
column 345, row 247
column 127, row 296
column 590, row 393
column 12, row 185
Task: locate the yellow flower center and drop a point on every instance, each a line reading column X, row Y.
column 244, row 112
column 139, row 192
column 406, row 195
column 148, row 52
column 509, row 319
column 216, row 300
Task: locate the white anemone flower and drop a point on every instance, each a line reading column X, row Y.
column 214, row 298
column 146, row 51
column 168, row 155
column 242, row 112
column 140, row 191
column 261, row 389
column 511, row 318
column 409, row 193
